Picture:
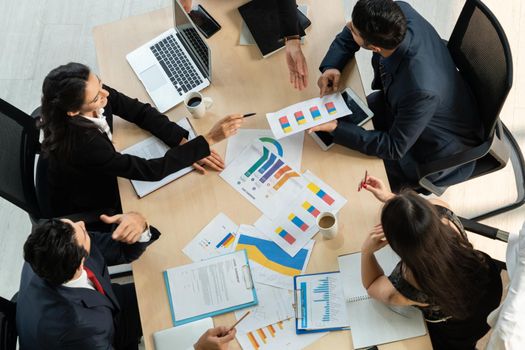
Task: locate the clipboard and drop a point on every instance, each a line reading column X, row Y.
column 301, row 305
column 190, row 287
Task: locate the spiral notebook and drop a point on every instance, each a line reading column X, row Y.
column 373, row 322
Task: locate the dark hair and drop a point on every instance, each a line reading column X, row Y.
column 53, row 251
column 380, row 22
column 443, row 262
column 63, row 90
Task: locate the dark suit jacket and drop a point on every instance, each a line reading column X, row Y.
column 51, row 317
column 88, row 181
column 434, row 114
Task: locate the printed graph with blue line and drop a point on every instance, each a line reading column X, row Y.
column 322, row 295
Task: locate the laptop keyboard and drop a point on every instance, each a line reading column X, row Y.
column 197, row 44
column 176, row 65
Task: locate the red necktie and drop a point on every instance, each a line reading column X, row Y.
column 94, row 280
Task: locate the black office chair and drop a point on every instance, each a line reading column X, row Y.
column 8, row 333
column 480, row 49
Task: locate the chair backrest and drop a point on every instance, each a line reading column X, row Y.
column 18, row 146
column 479, row 47
column 7, row 324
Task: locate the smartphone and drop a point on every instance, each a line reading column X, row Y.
column 360, row 115
column 204, row 21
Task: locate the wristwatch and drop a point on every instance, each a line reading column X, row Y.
column 292, row 37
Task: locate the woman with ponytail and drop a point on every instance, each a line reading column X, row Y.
column 454, row 285
column 83, row 164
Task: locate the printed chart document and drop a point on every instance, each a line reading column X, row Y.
column 264, row 178
column 216, row 238
column 269, row 263
column 294, row 226
column 320, row 303
column 304, row 115
column 290, row 148
column 275, row 304
column 210, row 287
column 152, row 148
column 277, row 336
column 371, row 321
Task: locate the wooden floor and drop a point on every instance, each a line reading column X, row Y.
column 38, row 35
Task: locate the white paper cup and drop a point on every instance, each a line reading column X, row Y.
column 197, row 104
column 327, row 223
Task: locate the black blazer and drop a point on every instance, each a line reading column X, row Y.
column 57, row 317
column 88, row 181
column 434, row 112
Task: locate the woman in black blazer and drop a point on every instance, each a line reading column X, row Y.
column 83, row 164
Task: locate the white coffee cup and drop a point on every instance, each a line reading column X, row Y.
column 327, row 223
column 197, row 104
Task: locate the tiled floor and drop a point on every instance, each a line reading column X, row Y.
column 38, row 35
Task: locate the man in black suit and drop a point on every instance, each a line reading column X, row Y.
column 423, row 110
column 66, row 299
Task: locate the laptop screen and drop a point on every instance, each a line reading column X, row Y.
column 191, row 39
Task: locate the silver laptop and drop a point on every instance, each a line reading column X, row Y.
column 174, row 63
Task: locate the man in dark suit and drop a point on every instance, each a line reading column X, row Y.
column 66, row 299
column 423, row 110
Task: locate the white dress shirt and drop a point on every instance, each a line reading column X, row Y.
column 100, row 122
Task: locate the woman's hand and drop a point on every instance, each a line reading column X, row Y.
column 375, row 240
column 224, row 128
column 213, row 161
column 377, row 188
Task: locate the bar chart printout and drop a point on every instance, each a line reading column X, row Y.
column 322, row 300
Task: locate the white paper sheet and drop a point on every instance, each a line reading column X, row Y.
column 293, row 227
column 209, row 286
column 275, row 304
column 264, row 178
column 214, row 239
column 304, row 115
column 279, row 336
column 269, row 263
column 151, row 148
column 290, row 148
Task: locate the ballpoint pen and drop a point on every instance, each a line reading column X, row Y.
column 248, row 115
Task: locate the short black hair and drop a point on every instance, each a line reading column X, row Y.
column 380, row 22
column 53, row 251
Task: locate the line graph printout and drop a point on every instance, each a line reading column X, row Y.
column 268, row 262
column 304, row 115
column 216, row 238
column 264, row 178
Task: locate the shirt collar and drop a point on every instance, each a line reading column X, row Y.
column 390, row 64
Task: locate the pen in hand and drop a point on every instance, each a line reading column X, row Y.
column 236, row 323
column 248, row 115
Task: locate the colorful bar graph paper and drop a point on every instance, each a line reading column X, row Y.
column 322, row 295
column 226, row 241
column 298, row 222
column 285, row 124
column 285, row 235
column 285, row 178
column 282, row 171
column 320, row 193
column 330, row 108
column 314, row 111
column 258, row 163
column 299, row 117
column 272, row 170
column 311, row 209
column 266, row 165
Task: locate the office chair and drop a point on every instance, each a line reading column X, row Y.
column 8, row 333
column 480, row 49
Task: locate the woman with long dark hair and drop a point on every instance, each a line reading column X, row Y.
column 454, row 285
column 83, row 164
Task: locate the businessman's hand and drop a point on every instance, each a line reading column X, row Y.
column 328, row 127
column 213, row 161
column 130, row 226
column 186, row 4
column 215, row 339
column 224, row 128
column 329, row 81
column 296, row 64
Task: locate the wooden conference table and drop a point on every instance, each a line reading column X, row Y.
column 242, row 82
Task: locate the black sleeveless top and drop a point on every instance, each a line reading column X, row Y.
column 432, row 312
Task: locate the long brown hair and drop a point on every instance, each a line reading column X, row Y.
column 443, row 262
